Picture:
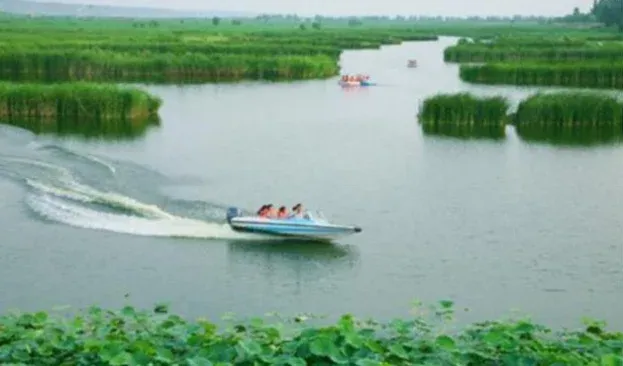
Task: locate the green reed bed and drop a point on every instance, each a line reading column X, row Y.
column 51, row 66
column 84, row 102
column 282, row 37
column 465, row 132
column 406, row 33
column 480, row 29
column 570, row 119
column 570, row 109
column 576, row 136
column 258, row 49
column 131, row 336
column 585, row 74
column 108, row 130
column 538, row 42
column 484, row 53
column 463, row 109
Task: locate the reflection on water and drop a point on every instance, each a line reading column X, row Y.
column 576, row 136
column 289, row 263
column 292, row 250
column 465, row 131
column 90, row 130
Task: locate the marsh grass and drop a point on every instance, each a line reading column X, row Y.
column 465, row 132
column 478, row 53
column 60, row 103
column 564, row 110
column 569, row 137
column 180, row 48
column 463, row 109
column 585, row 74
column 84, row 129
column 102, row 66
column 48, row 53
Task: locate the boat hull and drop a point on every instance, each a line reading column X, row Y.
column 291, row 227
column 355, row 83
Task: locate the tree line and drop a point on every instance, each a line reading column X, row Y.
column 609, row 12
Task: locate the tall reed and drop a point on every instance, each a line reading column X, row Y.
column 463, row 109
column 257, row 49
column 589, row 75
column 495, row 54
column 465, row 132
column 84, row 102
column 52, row 66
column 568, row 110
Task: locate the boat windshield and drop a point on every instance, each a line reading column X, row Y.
column 314, row 216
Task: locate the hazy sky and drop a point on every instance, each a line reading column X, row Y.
column 362, row 7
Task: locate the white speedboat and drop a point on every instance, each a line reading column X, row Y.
column 310, row 226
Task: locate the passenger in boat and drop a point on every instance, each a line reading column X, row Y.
column 263, row 211
column 271, row 212
column 297, row 211
column 283, row 212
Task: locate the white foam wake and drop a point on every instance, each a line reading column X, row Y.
column 57, row 195
column 89, row 157
column 56, row 209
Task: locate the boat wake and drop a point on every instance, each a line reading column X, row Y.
column 90, row 192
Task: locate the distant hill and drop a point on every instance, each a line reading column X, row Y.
column 36, row 8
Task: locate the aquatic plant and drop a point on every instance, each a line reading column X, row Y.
column 585, row 74
column 570, row 109
column 463, row 109
column 51, row 66
column 69, row 127
column 481, row 53
column 577, row 136
column 172, row 52
column 465, row 132
column 136, row 337
column 83, row 102
column 178, row 47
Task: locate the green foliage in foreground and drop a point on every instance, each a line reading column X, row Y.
column 463, row 109
column 132, row 337
column 89, row 103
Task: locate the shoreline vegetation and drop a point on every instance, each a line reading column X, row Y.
column 76, row 101
column 55, row 53
column 36, row 52
column 131, row 336
column 583, row 62
column 577, row 74
column 541, row 116
column 52, row 50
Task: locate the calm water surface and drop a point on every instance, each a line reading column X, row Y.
column 492, row 225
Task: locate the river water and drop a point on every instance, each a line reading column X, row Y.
column 493, row 225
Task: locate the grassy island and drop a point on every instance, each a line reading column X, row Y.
column 96, row 103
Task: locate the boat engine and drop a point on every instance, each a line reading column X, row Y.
column 233, row 212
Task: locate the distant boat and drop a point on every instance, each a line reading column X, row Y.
column 412, row 63
column 358, row 80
